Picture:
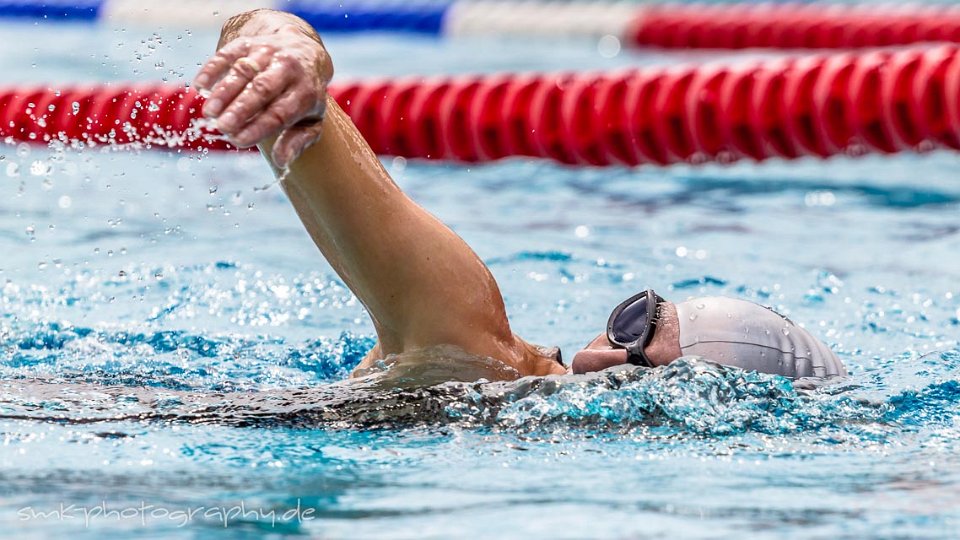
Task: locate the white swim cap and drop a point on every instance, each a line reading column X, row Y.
column 749, row 336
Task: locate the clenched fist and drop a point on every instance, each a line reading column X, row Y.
column 268, row 85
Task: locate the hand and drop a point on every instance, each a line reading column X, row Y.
column 266, row 86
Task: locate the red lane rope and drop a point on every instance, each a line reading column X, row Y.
column 824, row 105
column 736, row 26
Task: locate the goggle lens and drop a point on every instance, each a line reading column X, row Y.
column 632, row 322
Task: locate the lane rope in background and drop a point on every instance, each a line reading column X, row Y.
column 667, row 25
column 821, row 105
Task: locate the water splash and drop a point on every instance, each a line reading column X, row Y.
column 690, row 397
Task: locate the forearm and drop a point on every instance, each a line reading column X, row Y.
column 420, row 282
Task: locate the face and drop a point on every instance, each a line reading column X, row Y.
column 600, row 354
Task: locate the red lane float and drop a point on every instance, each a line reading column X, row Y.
column 737, row 26
column 824, row 105
column 143, row 114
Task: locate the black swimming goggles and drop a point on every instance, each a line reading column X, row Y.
column 632, row 324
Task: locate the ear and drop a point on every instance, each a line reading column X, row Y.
column 589, row 360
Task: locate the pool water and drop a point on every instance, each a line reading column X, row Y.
column 173, row 344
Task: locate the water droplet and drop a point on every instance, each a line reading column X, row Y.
column 42, row 266
column 23, row 150
column 75, row 107
column 693, row 316
column 701, row 305
column 65, row 202
column 213, row 189
column 40, row 168
column 13, row 170
column 786, row 331
column 608, row 46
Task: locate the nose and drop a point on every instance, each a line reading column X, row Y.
column 589, row 360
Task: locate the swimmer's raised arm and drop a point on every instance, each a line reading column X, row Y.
column 421, row 283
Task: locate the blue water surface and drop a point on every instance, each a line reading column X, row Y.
column 137, row 287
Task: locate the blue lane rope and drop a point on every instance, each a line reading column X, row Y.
column 55, row 10
column 354, row 16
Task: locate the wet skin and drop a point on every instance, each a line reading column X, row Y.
column 600, row 354
column 421, row 283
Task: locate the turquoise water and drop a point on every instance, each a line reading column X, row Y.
column 172, row 342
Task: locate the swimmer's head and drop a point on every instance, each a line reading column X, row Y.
column 725, row 330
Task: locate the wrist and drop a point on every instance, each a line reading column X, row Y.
column 264, row 21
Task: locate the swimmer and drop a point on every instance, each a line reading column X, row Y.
column 423, row 286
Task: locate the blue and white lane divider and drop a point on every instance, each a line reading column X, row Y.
column 422, row 16
column 436, row 17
